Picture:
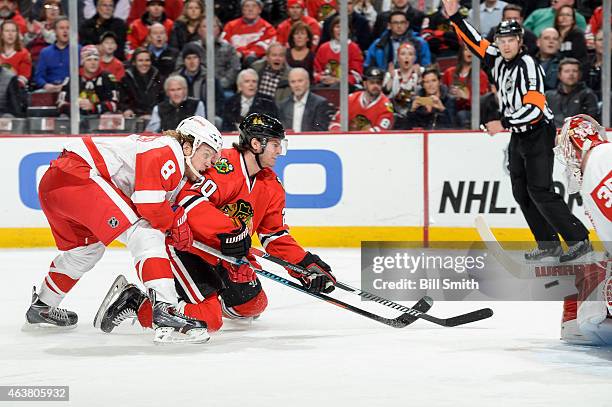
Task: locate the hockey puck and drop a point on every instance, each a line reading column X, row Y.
column 551, row 284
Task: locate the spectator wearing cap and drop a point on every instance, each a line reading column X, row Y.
column 178, row 106
column 304, row 110
column 359, row 27
column 98, row 91
column 141, row 87
column 186, row 27
column 173, row 9
column 295, row 10
column 383, row 51
column 273, row 73
column 91, row 30
column 40, row 32
column 12, row 52
column 195, row 74
column 53, row 66
column 250, row 34
column 10, row 11
column 227, row 61
column 108, row 61
column 246, row 101
column 327, row 60
column 139, row 29
column 368, row 109
column 164, row 56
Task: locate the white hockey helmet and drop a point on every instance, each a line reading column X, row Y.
column 202, row 131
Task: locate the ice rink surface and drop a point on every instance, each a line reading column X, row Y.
column 301, row 352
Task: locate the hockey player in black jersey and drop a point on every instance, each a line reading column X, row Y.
column 520, row 83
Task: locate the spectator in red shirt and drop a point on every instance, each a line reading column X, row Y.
column 458, row 80
column 10, row 11
column 41, row 33
column 250, row 34
column 13, row 53
column 139, row 29
column 108, row 61
column 295, row 10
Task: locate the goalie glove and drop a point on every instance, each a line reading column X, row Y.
column 180, row 235
column 321, row 280
column 236, row 243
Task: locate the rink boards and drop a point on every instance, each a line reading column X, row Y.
column 341, row 188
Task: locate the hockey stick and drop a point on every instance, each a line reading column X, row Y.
column 409, row 313
column 524, row 270
column 449, row 322
column 401, row 321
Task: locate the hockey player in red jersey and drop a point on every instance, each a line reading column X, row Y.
column 239, row 196
column 369, row 109
column 587, row 155
column 97, row 191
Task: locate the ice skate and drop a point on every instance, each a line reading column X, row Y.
column 577, row 250
column 542, row 254
column 172, row 326
column 124, row 307
column 41, row 315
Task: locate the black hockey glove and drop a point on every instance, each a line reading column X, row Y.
column 322, row 280
column 236, row 243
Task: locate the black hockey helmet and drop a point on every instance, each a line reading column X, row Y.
column 374, row 73
column 262, row 127
column 509, row 28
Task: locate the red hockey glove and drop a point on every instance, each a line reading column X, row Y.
column 180, row 235
column 322, row 280
column 236, row 243
column 243, row 273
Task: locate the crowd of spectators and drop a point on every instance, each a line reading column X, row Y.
column 146, row 60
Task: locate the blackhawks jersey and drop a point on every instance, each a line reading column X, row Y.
column 374, row 116
column 225, row 194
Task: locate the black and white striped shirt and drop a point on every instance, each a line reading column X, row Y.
column 519, row 82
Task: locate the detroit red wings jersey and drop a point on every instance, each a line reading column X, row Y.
column 374, row 116
column 247, row 38
column 226, row 194
column 597, row 192
column 147, row 169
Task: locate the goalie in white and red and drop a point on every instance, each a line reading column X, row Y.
column 583, row 147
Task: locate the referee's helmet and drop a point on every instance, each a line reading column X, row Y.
column 509, row 28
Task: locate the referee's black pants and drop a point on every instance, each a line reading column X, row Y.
column 531, row 160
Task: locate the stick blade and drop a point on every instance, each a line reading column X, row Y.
column 470, row 317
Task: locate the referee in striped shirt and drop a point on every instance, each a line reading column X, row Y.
column 520, row 84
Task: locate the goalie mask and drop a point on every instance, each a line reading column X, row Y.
column 578, row 135
column 198, row 130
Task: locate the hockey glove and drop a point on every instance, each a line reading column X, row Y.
column 243, row 273
column 236, row 243
column 321, row 280
column 180, row 235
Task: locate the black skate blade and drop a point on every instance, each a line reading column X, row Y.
column 114, row 289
